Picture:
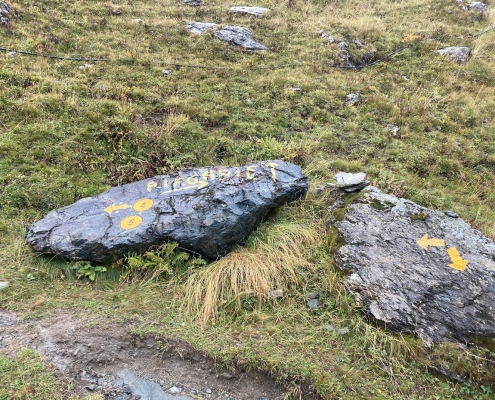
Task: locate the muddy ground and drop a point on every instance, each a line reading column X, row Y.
column 99, row 357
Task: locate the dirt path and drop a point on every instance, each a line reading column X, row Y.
column 105, row 358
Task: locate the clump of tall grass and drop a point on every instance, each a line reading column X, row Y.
column 269, row 261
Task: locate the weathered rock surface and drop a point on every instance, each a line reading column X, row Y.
column 200, row 27
column 417, row 270
column 5, row 12
column 353, row 98
column 351, row 182
column 458, row 54
column 195, row 3
column 206, row 210
column 256, row 11
column 239, row 36
column 476, row 6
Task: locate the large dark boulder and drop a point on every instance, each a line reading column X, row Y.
column 415, row 269
column 206, row 210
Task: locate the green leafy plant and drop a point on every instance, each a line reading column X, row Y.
column 165, row 261
column 84, row 269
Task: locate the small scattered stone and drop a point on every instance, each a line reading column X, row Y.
column 256, row 11
column 194, row 3
column 276, row 294
column 353, row 98
column 263, row 398
column 127, row 389
column 239, row 36
column 91, row 387
column 3, row 284
column 313, row 303
column 327, row 36
column 208, row 391
column 12, row 53
column 458, row 54
column 394, row 129
column 312, row 295
column 328, row 327
column 175, row 389
column 343, row 331
column 319, row 189
column 117, row 11
column 295, row 89
column 166, row 72
column 200, row 27
column 451, row 214
column 351, row 182
column 115, row 306
column 226, row 375
column 476, row 6
column 346, row 56
column 85, row 66
column 137, row 20
column 358, row 43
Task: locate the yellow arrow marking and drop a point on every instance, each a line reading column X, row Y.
column 424, row 242
column 199, row 185
column 457, row 261
column 113, row 207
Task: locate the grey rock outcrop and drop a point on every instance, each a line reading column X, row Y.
column 476, row 6
column 350, row 182
column 239, row 36
column 200, row 27
column 417, row 270
column 194, row 3
column 5, row 13
column 256, row 11
column 458, row 54
column 206, row 210
column 353, row 98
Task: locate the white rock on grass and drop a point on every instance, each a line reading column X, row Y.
column 476, row 6
column 458, row 54
column 256, row 11
column 239, row 36
column 200, row 27
column 3, row 285
column 351, row 182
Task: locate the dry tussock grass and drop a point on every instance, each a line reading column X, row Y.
column 269, row 263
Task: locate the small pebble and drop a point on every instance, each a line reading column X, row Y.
column 166, row 72
column 328, row 327
column 451, row 214
column 312, row 295
column 175, row 389
column 208, row 391
column 313, row 303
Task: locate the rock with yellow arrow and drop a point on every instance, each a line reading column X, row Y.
column 415, row 269
column 206, row 210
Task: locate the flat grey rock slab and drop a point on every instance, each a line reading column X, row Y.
column 418, row 270
column 351, row 182
column 195, row 3
column 476, row 6
column 200, row 27
column 239, row 36
column 148, row 390
column 458, row 54
column 257, row 11
column 206, row 210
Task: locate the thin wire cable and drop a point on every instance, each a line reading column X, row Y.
column 30, row 53
column 176, row 65
column 481, row 33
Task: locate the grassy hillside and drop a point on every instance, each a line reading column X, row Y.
column 71, row 129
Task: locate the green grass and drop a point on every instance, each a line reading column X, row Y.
column 26, row 376
column 67, row 133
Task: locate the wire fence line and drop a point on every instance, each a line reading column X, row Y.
column 199, row 66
